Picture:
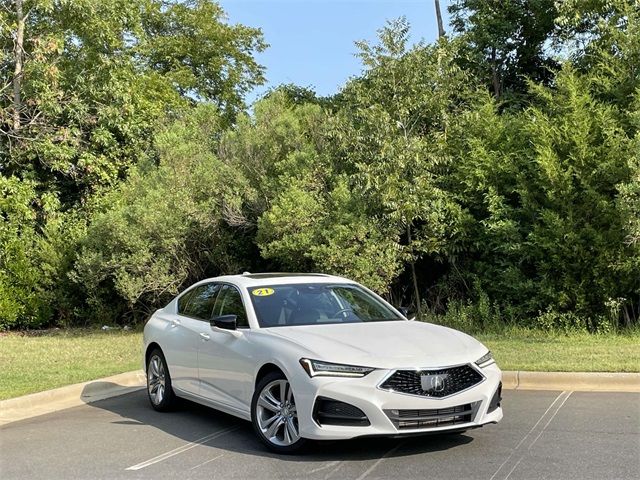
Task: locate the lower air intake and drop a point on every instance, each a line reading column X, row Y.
column 434, row 418
column 327, row 411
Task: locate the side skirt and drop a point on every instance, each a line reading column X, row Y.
column 230, row 409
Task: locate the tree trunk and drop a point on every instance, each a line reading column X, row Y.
column 495, row 80
column 416, row 290
column 17, row 72
column 441, row 31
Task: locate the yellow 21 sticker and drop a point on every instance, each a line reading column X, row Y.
column 262, row 292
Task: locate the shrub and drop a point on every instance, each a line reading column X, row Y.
column 163, row 228
column 36, row 250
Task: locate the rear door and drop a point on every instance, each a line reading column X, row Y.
column 194, row 310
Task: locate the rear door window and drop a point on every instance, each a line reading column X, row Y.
column 183, row 301
column 201, row 302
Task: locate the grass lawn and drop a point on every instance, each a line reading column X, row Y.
column 576, row 352
column 36, row 362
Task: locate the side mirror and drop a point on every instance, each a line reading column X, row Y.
column 226, row 322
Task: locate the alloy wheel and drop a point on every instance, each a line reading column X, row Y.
column 156, row 380
column 277, row 415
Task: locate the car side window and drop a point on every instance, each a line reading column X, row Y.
column 202, row 300
column 183, row 301
column 230, row 303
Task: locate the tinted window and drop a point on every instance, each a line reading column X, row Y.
column 230, row 303
column 183, row 301
column 311, row 304
column 201, row 302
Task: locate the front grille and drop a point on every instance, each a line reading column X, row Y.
column 441, row 417
column 433, row 383
column 327, row 411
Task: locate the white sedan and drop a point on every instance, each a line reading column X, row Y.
column 316, row 357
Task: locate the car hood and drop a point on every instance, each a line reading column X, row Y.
column 393, row 344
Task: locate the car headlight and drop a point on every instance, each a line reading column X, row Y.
column 485, row 360
column 316, row 368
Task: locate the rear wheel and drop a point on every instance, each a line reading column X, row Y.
column 274, row 414
column 159, row 387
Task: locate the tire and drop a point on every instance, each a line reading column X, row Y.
column 159, row 388
column 272, row 406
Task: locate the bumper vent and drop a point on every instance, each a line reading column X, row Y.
column 441, row 417
column 433, row 383
column 332, row 412
column 497, row 398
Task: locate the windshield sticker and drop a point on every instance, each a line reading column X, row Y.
column 262, row 292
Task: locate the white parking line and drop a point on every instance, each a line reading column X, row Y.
column 339, row 465
column 208, row 461
column 514, row 468
column 562, row 397
column 324, row 467
column 552, row 417
column 526, row 436
column 379, row 461
column 184, row 448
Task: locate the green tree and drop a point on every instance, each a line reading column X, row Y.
column 542, row 185
column 97, row 77
column 505, row 41
column 390, row 135
column 301, row 213
column 628, row 203
column 602, row 38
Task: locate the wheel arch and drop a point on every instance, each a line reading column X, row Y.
column 150, row 348
column 265, row 370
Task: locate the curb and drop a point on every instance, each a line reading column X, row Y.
column 574, row 381
column 49, row 401
column 35, row 404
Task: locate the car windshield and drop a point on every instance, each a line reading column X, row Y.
column 313, row 304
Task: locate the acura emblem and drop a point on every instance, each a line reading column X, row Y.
column 434, row 383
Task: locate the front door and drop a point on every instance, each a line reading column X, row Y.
column 225, row 363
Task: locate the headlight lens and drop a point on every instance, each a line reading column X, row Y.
column 485, row 360
column 316, row 368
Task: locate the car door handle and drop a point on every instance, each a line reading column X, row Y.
column 175, row 323
column 205, row 336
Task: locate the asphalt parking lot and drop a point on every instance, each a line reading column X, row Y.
column 551, row 435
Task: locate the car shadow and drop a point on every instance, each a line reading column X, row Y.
column 192, row 422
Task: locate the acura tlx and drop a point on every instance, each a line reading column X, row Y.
column 316, row 357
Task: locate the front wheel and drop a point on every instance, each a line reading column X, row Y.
column 274, row 414
column 159, row 387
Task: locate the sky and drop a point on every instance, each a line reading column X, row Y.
column 312, row 41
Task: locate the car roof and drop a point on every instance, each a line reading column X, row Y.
column 277, row 278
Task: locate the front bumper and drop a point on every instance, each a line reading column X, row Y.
column 378, row 404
